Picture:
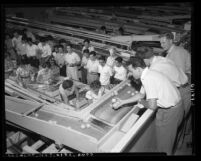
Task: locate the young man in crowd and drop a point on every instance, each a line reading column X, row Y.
column 105, row 72
column 83, row 67
column 111, row 59
column 68, row 90
column 92, row 68
column 182, row 59
column 16, row 42
column 46, row 50
column 87, row 46
column 120, row 72
column 72, row 61
column 95, row 92
column 32, row 53
column 59, row 58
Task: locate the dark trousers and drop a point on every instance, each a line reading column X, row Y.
column 84, row 75
column 33, row 61
column 63, row 71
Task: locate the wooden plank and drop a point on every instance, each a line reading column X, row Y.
column 28, row 149
column 37, row 144
column 50, row 149
column 64, row 151
column 9, row 151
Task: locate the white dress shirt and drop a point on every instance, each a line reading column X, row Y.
column 92, row 66
column 110, row 61
column 181, row 57
column 120, row 73
column 31, row 50
column 105, row 74
column 72, row 58
column 169, row 69
column 157, row 86
column 46, row 49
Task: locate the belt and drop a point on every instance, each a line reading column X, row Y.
column 24, row 77
column 184, row 85
column 93, row 73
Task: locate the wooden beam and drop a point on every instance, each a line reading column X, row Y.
column 28, row 149
column 37, row 144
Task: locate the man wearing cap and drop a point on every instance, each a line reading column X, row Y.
column 72, row 60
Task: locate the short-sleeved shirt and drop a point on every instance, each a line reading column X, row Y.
column 92, row 96
column 105, row 74
column 22, row 48
column 59, row 58
column 72, row 58
column 158, row 86
column 46, row 49
column 120, row 73
column 84, row 61
column 92, row 66
column 110, row 61
column 168, row 68
column 91, row 48
column 31, row 50
column 17, row 41
column 181, row 57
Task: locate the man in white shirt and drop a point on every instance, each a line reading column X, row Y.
column 22, row 48
column 59, row 58
column 46, row 50
column 182, row 59
column 95, row 92
column 178, row 54
column 87, row 46
column 163, row 65
column 92, row 68
column 120, row 72
column 72, row 60
column 83, row 67
column 31, row 53
column 111, row 59
column 105, row 72
column 162, row 96
column 29, row 34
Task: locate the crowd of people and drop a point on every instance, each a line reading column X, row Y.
column 165, row 79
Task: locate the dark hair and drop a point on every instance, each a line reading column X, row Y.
column 44, row 65
column 121, row 30
column 67, row 84
column 42, row 39
column 95, row 84
column 168, row 35
column 86, row 51
column 119, row 59
column 24, row 38
column 102, row 58
column 29, row 39
column 144, row 52
column 16, row 31
column 62, row 41
column 69, row 44
column 86, row 40
column 136, row 62
column 25, row 29
column 60, row 46
column 103, row 28
column 93, row 53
